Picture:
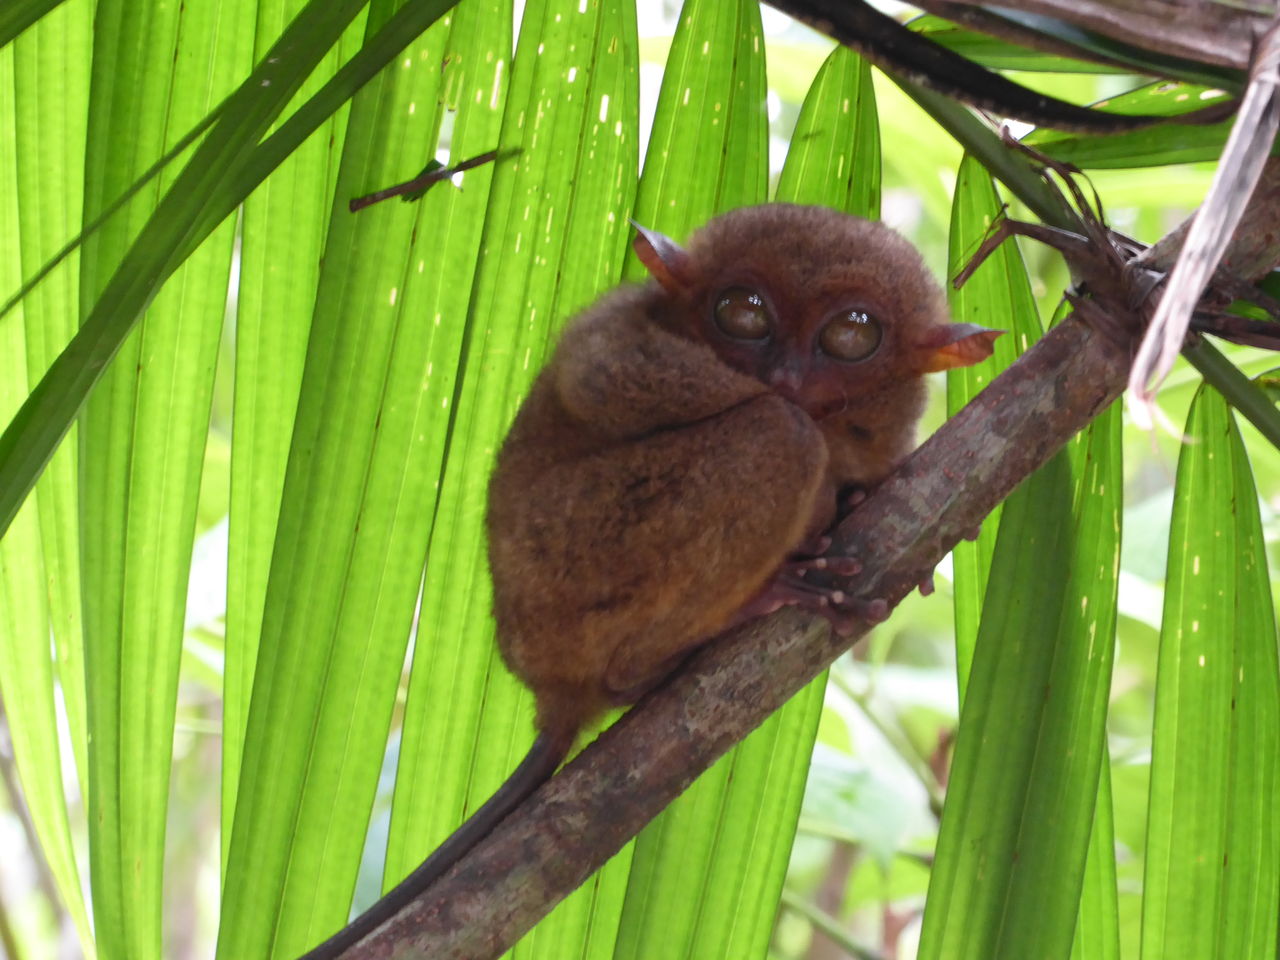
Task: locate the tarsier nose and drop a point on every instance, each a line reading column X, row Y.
column 786, row 379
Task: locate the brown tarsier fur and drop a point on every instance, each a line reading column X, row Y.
column 661, row 472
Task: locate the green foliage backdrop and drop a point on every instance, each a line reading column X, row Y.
column 242, row 493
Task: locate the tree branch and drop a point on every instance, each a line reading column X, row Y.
column 584, row 815
column 1195, row 30
column 895, row 48
column 603, row 798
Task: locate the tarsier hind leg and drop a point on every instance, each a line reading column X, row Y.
column 692, row 522
column 765, row 494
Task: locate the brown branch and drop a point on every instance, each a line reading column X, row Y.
column 1196, row 30
column 893, row 47
column 583, row 816
column 830, row 900
column 618, row 784
column 1253, row 250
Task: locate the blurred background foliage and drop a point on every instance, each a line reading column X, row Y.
column 859, row 869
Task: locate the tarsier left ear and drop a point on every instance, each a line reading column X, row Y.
column 951, row 345
column 665, row 259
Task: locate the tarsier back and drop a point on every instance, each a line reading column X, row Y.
column 675, row 464
column 690, row 435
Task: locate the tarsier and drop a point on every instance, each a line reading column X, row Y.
column 675, row 464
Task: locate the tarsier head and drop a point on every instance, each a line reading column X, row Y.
column 830, row 310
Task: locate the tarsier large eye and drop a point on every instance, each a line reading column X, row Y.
column 741, row 313
column 850, row 336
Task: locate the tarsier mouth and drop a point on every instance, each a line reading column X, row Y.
column 820, row 410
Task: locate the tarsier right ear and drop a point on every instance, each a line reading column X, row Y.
column 948, row 345
column 665, row 259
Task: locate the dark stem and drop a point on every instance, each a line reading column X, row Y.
column 412, row 189
column 1200, row 33
column 890, row 45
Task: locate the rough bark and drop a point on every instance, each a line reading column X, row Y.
column 1252, row 252
column 619, row 783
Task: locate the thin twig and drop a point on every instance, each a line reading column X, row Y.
column 830, row 926
column 897, row 738
column 412, row 189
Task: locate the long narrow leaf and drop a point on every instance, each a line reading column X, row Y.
column 1058, row 817
column 1097, row 461
column 26, row 667
column 1164, row 143
column 419, row 819
column 50, row 140
column 1117, row 57
column 424, row 263
column 707, row 876
column 1032, row 728
column 1097, row 935
column 282, row 242
column 17, row 15
column 352, row 531
column 1211, row 869
column 978, row 840
column 694, row 861
column 834, row 159
column 1000, row 54
column 143, row 448
column 715, row 69
column 1187, row 809
column 553, row 239
column 197, row 201
column 1248, row 920
column 997, row 295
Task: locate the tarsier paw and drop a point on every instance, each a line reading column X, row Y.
column 791, row 585
column 811, row 557
column 852, row 497
column 845, row 613
column 837, row 566
column 875, row 611
column 842, row 611
column 848, row 500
